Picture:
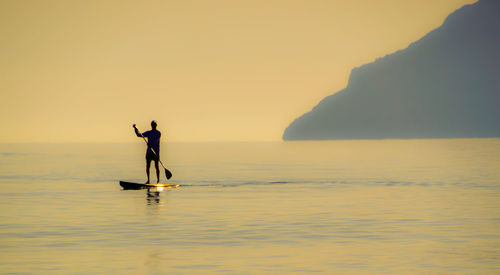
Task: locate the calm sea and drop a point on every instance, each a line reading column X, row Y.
column 331, row 207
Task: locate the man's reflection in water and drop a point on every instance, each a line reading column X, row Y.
column 154, row 203
column 153, row 196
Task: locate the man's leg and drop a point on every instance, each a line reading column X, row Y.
column 148, row 164
column 157, row 172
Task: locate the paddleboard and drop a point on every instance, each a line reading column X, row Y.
column 135, row 185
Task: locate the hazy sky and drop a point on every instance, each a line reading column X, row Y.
column 78, row 71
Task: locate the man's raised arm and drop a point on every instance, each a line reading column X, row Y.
column 137, row 131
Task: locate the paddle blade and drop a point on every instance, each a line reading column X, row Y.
column 168, row 174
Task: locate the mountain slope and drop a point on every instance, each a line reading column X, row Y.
column 447, row 84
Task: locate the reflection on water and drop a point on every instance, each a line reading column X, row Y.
column 155, row 203
column 153, row 196
column 388, row 206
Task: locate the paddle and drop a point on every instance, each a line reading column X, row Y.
column 167, row 173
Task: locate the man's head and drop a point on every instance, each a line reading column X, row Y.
column 153, row 124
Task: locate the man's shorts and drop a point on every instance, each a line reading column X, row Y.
column 151, row 156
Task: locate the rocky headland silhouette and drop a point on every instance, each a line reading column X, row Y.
column 445, row 85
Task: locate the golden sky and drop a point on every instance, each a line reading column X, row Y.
column 219, row 70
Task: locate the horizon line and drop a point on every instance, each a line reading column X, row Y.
column 237, row 141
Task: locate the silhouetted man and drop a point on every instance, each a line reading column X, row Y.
column 153, row 151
